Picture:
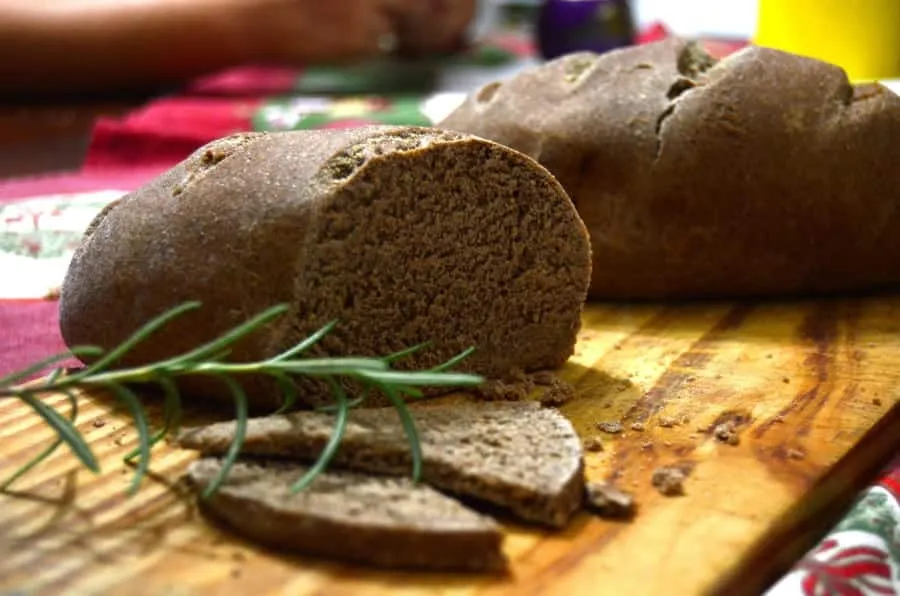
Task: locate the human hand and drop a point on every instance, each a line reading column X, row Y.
column 435, row 26
column 304, row 31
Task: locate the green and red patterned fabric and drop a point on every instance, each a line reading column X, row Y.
column 860, row 556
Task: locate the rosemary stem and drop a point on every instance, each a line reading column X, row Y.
column 107, row 374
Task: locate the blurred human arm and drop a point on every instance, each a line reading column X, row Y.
column 100, row 45
column 80, row 45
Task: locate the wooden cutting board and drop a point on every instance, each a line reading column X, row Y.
column 802, row 385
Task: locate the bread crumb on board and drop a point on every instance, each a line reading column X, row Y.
column 638, row 426
column 593, row 444
column 558, row 393
column 668, row 421
column 669, row 480
column 611, row 427
column 876, row 401
column 608, row 501
column 727, row 434
column 795, row 454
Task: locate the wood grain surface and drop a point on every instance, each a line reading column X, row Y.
column 801, row 384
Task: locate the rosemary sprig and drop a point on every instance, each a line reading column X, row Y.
column 370, row 373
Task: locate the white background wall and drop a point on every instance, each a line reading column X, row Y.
column 695, row 17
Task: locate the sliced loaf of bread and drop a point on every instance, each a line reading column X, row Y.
column 520, row 456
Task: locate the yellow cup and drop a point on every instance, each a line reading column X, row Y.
column 862, row 36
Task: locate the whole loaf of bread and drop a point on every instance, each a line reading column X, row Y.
column 763, row 174
column 403, row 234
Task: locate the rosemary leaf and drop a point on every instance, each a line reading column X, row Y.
column 131, row 401
column 53, row 376
column 407, row 352
column 64, row 429
column 140, row 335
column 314, row 367
column 172, row 404
column 453, row 361
column 410, row 391
column 334, row 441
column 171, row 417
column 393, row 377
column 223, row 341
column 219, row 356
column 40, row 457
column 409, row 427
column 329, row 366
column 240, row 431
column 17, row 376
column 288, row 391
column 367, row 389
column 350, row 403
column 306, row 343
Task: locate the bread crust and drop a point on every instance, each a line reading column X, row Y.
column 765, row 174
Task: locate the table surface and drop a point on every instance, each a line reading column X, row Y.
column 809, row 389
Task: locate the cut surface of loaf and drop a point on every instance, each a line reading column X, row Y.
column 404, row 235
column 519, row 456
column 380, row 521
column 764, row 174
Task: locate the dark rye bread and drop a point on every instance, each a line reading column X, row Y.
column 765, row 174
column 371, row 520
column 404, row 234
column 519, row 456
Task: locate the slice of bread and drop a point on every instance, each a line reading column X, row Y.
column 522, row 457
column 374, row 520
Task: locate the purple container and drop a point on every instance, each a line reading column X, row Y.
column 566, row 26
